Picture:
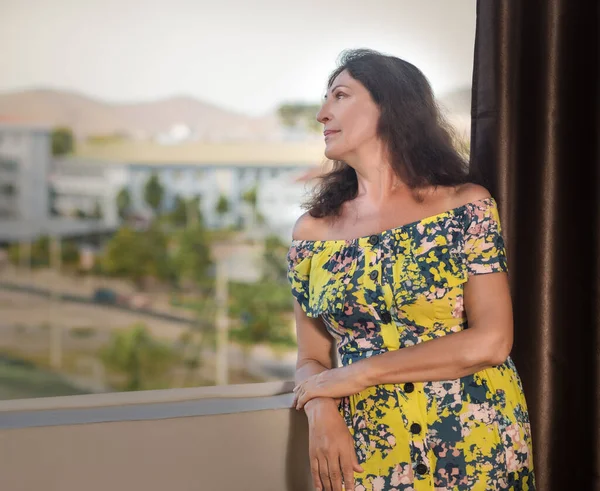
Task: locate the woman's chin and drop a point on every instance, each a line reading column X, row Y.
column 332, row 154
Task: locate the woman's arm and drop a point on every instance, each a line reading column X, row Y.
column 315, row 349
column 487, row 342
column 331, row 448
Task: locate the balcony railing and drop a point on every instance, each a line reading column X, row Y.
column 238, row 437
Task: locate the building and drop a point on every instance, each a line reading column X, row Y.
column 280, row 199
column 209, row 171
column 25, row 204
column 24, row 164
column 81, row 186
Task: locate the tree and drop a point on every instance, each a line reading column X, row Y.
column 186, row 212
column 40, row 253
column 70, row 254
column 194, row 212
column 179, row 215
column 300, row 115
column 222, row 207
column 260, row 309
column 137, row 355
column 97, row 212
column 136, row 255
column 191, row 258
column 154, row 193
column 251, row 198
column 274, row 260
column 62, row 141
column 123, row 203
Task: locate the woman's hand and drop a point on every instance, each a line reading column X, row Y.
column 334, row 383
column 331, row 447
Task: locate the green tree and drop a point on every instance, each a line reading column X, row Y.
column 274, row 260
column 123, row 203
column 186, row 212
column 251, row 198
column 62, row 141
column 40, row 253
column 194, row 212
column 260, row 309
column 191, row 258
column 154, row 193
column 70, row 253
column 97, row 212
column 137, row 255
column 222, row 207
column 179, row 215
column 300, row 115
column 143, row 360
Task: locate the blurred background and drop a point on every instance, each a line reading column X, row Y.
column 153, row 161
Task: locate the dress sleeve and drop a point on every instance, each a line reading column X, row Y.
column 298, row 272
column 484, row 245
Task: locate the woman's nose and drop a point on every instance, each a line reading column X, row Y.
column 323, row 115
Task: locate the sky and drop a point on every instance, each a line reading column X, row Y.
column 247, row 56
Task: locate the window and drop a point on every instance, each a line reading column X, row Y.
column 8, row 164
column 8, row 189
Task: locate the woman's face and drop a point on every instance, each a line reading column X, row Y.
column 349, row 117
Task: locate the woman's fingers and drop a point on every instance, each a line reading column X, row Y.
column 324, row 473
column 335, row 472
column 347, row 473
column 314, row 470
column 302, row 399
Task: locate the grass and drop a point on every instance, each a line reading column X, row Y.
column 21, row 379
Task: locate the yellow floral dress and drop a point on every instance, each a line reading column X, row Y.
column 402, row 287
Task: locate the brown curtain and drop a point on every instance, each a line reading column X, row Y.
column 535, row 144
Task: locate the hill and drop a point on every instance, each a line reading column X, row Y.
column 91, row 117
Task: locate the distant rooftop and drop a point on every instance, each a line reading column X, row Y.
column 248, row 153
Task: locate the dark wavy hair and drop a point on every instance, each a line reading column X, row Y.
column 418, row 139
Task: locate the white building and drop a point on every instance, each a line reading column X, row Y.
column 24, row 163
column 209, row 171
column 280, row 199
column 83, row 185
column 25, row 159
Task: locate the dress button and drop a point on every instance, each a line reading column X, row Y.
column 415, row 428
column 421, row 469
column 409, row 387
column 373, row 275
column 386, row 317
column 374, row 239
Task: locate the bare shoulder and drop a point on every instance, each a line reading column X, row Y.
column 470, row 192
column 308, row 227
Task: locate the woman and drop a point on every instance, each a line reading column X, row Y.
column 400, row 261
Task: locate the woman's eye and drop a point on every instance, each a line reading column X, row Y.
column 340, row 94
